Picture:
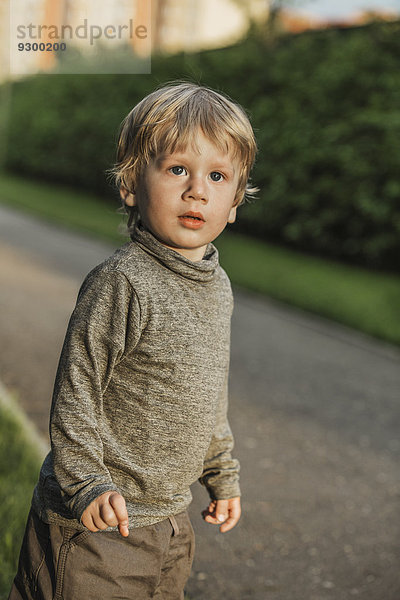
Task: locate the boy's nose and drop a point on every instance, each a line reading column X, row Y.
column 196, row 190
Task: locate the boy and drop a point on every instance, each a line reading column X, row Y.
column 140, row 398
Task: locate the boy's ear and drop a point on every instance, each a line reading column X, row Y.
column 232, row 214
column 127, row 197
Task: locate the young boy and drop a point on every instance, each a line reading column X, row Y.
column 140, row 398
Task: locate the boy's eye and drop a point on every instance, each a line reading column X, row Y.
column 216, row 176
column 178, row 170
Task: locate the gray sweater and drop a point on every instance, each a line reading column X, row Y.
column 140, row 396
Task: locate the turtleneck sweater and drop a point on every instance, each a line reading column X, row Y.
column 140, row 397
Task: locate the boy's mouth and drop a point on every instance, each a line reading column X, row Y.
column 192, row 215
column 192, row 220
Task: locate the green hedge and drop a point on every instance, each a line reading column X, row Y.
column 326, row 109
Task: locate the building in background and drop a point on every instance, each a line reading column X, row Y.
column 191, row 25
column 46, row 15
column 296, row 21
column 175, row 25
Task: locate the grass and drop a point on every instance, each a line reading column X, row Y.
column 62, row 205
column 20, row 459
column 359, row 298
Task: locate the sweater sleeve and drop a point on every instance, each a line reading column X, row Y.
column 221, row 472
column 103, row 327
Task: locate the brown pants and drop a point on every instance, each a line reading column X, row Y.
column 57, row 563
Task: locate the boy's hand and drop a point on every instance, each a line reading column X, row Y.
column 108, row 510
column 226, row 512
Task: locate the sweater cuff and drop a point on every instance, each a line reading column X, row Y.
column 224, row 491
column 79, row 505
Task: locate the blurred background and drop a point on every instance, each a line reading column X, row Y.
column 324, row 81
column 319, row 248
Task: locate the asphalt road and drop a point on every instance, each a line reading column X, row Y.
column 314, row 408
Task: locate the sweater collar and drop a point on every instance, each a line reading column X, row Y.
column 203, row 270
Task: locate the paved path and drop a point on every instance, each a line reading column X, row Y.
column 316, row 413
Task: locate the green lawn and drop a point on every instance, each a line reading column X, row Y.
column 71, row 208
column 20, row 459
column 359, row 298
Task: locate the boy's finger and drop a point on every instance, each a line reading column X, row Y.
column 221, row 510
column 119, row 506
column 87, row 521
column 107, row 513
column 99, row 522
column 217, row 512
column 209, row 513
column 234, row 516
column 123, row 528
column 229, row 524
column 210, row 519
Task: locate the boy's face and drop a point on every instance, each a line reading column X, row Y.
column 186, row 198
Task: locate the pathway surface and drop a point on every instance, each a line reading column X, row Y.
column 316, row 415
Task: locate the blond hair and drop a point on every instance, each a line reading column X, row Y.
column 167, row 119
